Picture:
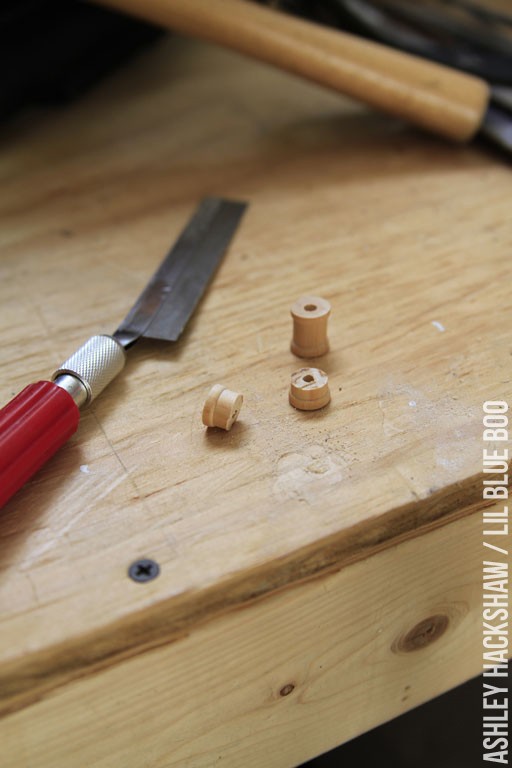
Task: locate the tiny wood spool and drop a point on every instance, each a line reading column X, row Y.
column 309, row 389
column 221, row 407
column 310, row 315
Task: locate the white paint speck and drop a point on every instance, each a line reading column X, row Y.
column 412, row 403
column 440, row 327
column 85, row 469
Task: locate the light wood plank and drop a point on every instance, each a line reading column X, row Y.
column 409, row 240
column 282, row 681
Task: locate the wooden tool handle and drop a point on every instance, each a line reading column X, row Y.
column 435, row 97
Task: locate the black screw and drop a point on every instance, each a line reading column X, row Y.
column 143, row 570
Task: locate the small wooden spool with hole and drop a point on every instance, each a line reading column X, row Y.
column 309, row 389
column 310, row 315
column 221, row 407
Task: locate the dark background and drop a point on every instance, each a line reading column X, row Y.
column 443, row 733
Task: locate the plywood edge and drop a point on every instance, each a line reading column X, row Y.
column 30, row 678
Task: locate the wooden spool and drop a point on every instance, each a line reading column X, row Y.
column 309, row 389
column 310, row 315
column 221, row 407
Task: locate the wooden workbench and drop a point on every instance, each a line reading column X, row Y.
column 320, row 572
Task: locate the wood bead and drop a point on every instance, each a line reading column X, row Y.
column 221, row 407
column 310, row 315
column 309, row 389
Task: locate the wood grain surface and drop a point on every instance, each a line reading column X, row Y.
column 407, row 237
column 276, row 683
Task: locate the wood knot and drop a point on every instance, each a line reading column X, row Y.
column 286, row 689
column 422, row 634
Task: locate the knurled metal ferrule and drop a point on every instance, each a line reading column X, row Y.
column 95, row 364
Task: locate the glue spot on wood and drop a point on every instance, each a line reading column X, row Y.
column 309, row 474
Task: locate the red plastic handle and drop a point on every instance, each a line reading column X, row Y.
column 32, row 427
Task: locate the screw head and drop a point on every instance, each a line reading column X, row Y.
column 143, row 570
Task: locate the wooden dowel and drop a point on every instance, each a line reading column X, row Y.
column 440, row 99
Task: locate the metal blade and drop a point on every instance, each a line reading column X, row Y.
column 497, row 126
column 169, row 299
